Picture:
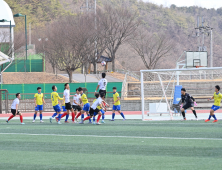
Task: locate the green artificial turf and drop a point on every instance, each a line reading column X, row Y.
column 131, row 144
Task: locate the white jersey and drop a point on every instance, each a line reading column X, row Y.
column 76, row 98
column 14, row 103
column 96, row 103
column 102, row 84
column 67, row 96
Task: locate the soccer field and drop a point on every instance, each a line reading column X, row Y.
column 130, row 144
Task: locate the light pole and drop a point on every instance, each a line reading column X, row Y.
column 26, row 46
column 4, row 20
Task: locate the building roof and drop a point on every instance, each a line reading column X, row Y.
column 6, row 13
column 106, row 59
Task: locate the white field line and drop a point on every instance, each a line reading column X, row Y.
column 97, row 136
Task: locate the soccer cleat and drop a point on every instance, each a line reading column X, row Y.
column 57, row 119
column 66, row 121
column 7, row 121
column 98, row 123
column 50, row 119
column 73, row 121
column 89, row 122
column 76, row 119
column 111, row 120
column 94, row 123
column 22, row 123
column 59, row 123
column 124, row 119
column 41, row 121
column 102, row 121
column 33, row 121
column 215, row 121
column 196, row 119
column 207, row 120
column 82, row 122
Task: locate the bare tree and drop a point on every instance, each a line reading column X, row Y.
column 151, row 47
column 119, row 24
column 70, row 42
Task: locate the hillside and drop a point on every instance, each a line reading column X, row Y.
column 177, row 23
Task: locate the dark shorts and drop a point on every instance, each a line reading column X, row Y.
column 68, row 106
column 102, row 91
column 188, row 105
column 14, row 112
column 92, row 111
column 76, row 107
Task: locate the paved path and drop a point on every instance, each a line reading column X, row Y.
column 91, row 78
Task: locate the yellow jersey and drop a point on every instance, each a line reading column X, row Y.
column 98, row 107
column 55, row 98
column 217, row 99
column 84, row 99
column 115, row 97
column 39, row 98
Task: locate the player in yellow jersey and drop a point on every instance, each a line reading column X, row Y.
column 116, row 104
column 39, row 100
column 55, row 103
column 217, row 99
column 86, row 105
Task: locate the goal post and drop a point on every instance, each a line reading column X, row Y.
column 158, row 89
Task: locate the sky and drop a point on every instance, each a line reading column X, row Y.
column 202, row 3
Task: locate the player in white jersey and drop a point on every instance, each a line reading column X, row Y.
column 76, row 104
column 94, row 109
column 14, row 109
column 68, row 105
column 102, row 85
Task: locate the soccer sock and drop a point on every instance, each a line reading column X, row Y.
column 21, row 118
column 73, row 116
column 183, row 113
column 195, row 114
column 59, row 117
column 122, row 115
column 40, row 116
column 103, row 116
column 99, row 116
column 113, row 116
column 54, row 115
column 78, row 115
column 94, row 118
column 82, row 116
column 34, row 116
column 10, row 117
column 67, row 117
column 87, row 118
column 63, row 115
column 209, row 117
column 214, row 117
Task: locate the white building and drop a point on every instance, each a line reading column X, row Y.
column 6, row 14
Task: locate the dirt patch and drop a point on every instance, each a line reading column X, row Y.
column 32, row 78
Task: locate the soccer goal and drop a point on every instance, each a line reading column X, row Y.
column 161, row 90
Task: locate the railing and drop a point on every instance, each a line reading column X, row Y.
column 27, row 101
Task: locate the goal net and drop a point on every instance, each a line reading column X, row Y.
column 161, row 90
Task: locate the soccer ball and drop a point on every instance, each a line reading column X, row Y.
column 103, row 63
